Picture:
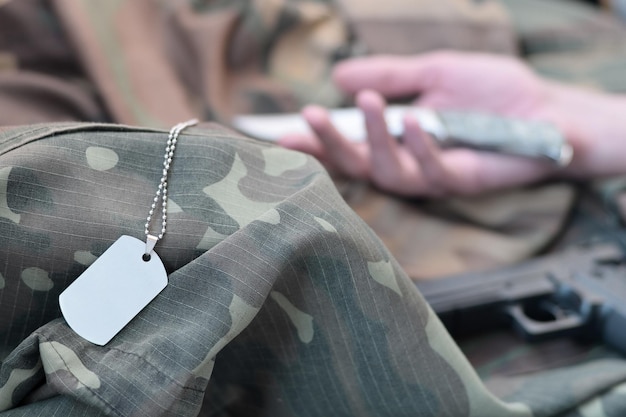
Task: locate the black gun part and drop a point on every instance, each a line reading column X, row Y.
column 580, row 292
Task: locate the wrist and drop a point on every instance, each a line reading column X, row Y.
column 594, row 123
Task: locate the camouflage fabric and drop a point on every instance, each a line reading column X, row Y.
column 214, row 59
column 571, row 41
column 282, row 278
column 431, row 239
column 280, row 300
column 414, row 26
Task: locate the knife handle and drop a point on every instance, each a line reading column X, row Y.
column 489, row 132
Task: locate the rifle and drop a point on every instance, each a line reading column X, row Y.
column 580, row 292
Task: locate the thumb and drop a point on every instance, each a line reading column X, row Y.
column 391, row 76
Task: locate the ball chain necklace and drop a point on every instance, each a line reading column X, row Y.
column 126, row 277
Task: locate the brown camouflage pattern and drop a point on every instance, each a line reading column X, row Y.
column 153, row 64
column 414, row 26
column 437, row 238
column 571, row 41
column 214, row 60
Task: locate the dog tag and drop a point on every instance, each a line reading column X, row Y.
column 113, row 290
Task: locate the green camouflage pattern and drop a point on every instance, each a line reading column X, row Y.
column 571, row 41
column 267, row 266
column 431, row 239
column 325, row 320
column 281, row 301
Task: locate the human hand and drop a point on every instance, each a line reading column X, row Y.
column 440, row 80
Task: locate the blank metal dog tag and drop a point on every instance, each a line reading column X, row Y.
column 113, row 290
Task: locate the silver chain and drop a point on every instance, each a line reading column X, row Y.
column 161, row 192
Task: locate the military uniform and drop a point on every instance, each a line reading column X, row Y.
column 281, row 301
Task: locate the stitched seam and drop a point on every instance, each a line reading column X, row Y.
column 109, row 406
column 144, row 361
column 96, row 394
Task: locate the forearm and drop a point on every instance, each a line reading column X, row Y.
column 595, row 124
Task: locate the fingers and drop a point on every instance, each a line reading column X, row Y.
column 416, row 168
column 384, row 160
column 435, row 178
column 464, row 171
column 380, row 160
column 303, row 143
column 443, row 172
column 346, row 156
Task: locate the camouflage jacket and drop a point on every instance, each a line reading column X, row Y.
column 153, row 64
column 281, row 301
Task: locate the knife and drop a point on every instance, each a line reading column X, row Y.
column 477, row 130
